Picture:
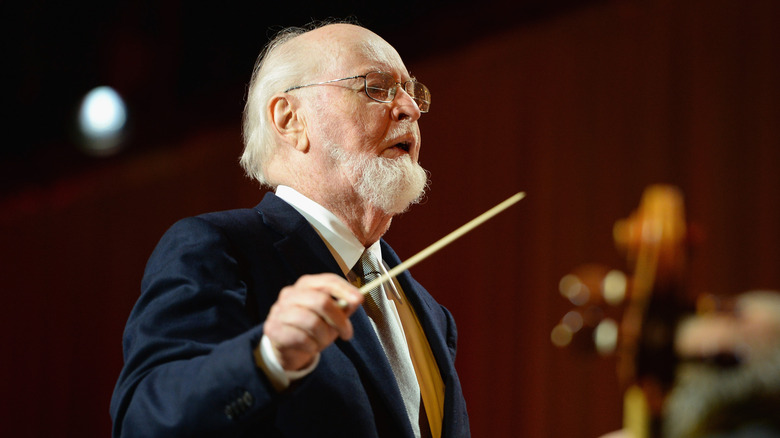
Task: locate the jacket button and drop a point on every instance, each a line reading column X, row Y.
column 248, row 399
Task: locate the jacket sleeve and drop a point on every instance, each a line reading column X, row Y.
column 189, row 369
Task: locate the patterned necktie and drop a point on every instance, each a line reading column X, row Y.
column 391, row 336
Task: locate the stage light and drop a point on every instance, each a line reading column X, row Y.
column 102, row 118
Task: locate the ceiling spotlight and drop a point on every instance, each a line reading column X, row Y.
column 101, row 119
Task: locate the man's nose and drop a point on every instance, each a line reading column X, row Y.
column 404, row 106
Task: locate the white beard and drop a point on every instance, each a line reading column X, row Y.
column 391, row 184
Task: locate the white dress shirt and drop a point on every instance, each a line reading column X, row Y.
column 344, row 247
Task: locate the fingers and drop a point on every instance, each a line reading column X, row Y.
column 307, row 318
column 346, row 296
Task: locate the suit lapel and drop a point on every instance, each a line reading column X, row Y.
column 298, row 244
column 365, row 351
column 304, row 252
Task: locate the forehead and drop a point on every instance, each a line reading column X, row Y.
column 348, row 50
column 373, row 55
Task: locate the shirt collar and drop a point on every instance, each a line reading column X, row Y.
column 343, row 244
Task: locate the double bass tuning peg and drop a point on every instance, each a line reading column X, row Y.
column 596, row 292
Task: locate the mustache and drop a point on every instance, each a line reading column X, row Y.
column 402, row 130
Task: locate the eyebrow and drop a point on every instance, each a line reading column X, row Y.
column 411, row 76
column 375, row 68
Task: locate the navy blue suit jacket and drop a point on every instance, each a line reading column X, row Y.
column 208, row 286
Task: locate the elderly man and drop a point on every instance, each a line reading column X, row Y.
column 247, row 324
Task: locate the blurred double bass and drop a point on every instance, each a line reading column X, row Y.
column 655, row 240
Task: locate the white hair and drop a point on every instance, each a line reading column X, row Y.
column 278, row 68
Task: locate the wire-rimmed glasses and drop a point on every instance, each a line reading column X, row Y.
column 382, row 86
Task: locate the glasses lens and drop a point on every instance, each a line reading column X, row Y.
column 380, row 86
column 420, row 94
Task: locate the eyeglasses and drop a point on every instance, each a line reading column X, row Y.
column 382, row 86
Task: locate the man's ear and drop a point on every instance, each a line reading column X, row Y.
column 288, row 122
